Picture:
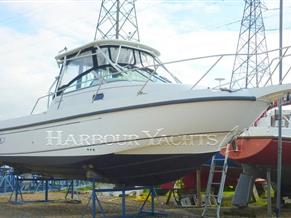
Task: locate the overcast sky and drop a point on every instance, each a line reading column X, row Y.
column 33, row 32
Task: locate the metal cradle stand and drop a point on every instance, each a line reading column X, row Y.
column 16, row 195
column 142, row 212
column 6, row 180
column 36, row 184
column 74, row 194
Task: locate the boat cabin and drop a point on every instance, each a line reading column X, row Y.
column 271, row 119
column 285, row 121
column 107, row 61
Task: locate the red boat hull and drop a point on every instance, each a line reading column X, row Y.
column 189, row 180
column 259, row 150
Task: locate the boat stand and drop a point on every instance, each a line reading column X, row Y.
column 72, row 192
column 40, row 185
column 16, row 196
column 142, row 212
column 6, row 183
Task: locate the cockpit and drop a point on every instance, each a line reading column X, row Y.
column 95, row 65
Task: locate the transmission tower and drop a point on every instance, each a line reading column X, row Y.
column 251, row 64
column 117, row 20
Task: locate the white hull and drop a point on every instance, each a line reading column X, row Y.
column 268, row 132
column 197, row 127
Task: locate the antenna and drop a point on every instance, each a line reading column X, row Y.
column 251, row 69
column 219, row 80
column 117, row 20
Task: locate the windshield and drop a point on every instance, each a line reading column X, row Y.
column 109, row 74
column 81, row 71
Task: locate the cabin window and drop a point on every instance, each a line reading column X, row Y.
column 275, row 120
column 110, row 74
column 137, row 59
column 73, row 69
column 101, row 60
column 80, row 71
column 84, row 82
column 147, row 60
column 124, row 55
column 284, row 123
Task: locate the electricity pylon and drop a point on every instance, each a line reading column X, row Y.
column 117, row 20
column 251, row 65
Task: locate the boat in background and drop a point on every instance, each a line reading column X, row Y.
column 258, row 144
column 257, row 150
column 115, row 117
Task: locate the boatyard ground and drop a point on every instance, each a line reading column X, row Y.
column 58, row 207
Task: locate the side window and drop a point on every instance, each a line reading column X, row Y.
column 74, row 68
column 87, row 80
column 71, row 70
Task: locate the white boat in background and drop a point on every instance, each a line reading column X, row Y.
column 114, row 117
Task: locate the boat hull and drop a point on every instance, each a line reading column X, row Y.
column 114, row 168
column 261, row 150
column 166, row 145
column 257, row 151
column 184, row 128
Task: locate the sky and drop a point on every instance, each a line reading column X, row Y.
column 33, row 32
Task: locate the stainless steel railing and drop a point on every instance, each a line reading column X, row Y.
column 273, row 65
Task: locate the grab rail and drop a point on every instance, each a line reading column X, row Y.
column 37, row 101
column 48, row 95
column 221, row 56
column 205, row 74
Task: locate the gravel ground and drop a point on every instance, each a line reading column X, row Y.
column 60, row 208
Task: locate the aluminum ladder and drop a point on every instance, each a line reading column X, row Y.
column 216, row 168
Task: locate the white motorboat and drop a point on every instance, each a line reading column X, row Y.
column 114, row 117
